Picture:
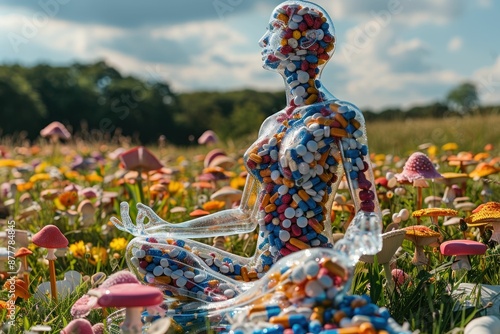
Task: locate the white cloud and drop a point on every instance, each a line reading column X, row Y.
column 406, row 12
column 485, row 3
column 455, row 44
column 488, row 83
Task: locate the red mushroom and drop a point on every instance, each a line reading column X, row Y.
column 50, row 237
column 461, row 249
column 81, row 326
column 134, row 298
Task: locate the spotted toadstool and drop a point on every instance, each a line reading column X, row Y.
column 50, row 237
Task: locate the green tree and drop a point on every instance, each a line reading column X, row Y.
column 463, row 98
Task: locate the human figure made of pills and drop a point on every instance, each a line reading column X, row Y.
column 294, row 170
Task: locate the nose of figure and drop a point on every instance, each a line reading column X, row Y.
column 264, row 41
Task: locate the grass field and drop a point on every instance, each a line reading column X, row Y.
column 424, row 301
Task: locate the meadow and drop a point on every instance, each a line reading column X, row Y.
column 45, row 182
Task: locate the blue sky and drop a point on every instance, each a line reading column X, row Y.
column 389, row 52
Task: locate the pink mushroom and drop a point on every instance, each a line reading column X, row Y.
column 140, row 159
column 86, row 303
column 208, row 137
column 78, row 326
column 55, row 131
column 461, row 249
column 134, row 298
column 416, row 170
column 50, row 237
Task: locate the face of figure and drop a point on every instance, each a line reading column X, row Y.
column 297, row 28
column 270, row 43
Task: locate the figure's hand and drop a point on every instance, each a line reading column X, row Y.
column 126, row 224
column 363, row 236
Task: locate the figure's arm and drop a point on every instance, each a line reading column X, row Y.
column 227, row 222
column 366, row 227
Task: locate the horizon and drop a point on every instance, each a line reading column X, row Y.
column 394, row 53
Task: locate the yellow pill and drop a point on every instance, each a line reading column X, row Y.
column 297, row 34
column 299, row 244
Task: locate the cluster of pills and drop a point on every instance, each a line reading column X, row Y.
column 309, row 298
column 297, row 167
column 305, row 46
column 173, row 266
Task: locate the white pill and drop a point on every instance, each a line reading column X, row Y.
column 299, row 91
column 318, row 133
column 308, row 157
column 301, row 150
column 284, row 235
column 174, row 252
column 164, row 262
column 298, row 100
column 282, row 190
column 325, row 281
column 313, row 289
column 286, row 223
column 158, row 270
column 319, row 169
column 315, row 242
column 299, row 212
column 307, row 185
column 275, row 174
column 304, row 168
column 297, row 18
column 312, row 146
column 189, row 274
column 229, row 293
column 181, row 282
column 199, row 278
column 209, row 261
column 289, row 213
column 275, row 221
column 311, row 268
column 150, row 278
column 327, row 131
column 302, row 76
column 140, row 254
column 176, row 274
column 167, row 271
column 298, row 275
column 319, row 34
column 302, row 222
column 293, row 43
column 218, row 262
column 274, row 155
column 224, row 269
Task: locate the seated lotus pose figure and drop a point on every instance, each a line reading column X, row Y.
column 294, row 170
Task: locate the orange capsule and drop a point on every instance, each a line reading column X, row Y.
column 341, row 120
column 299, row 244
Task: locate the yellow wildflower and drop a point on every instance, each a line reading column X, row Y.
column 118, row 244
column 98, row 254
column 238, row 182
column 94, row 177
column 77, row 249
column 175, row 186
column 213, row 205
column 40, row 168
column 10, row 163
column 39, row 177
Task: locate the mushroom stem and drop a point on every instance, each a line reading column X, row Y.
column 388, row 276
column 419, row 257
column 139, row 184
column 132, row 323
column 52, row 271
column 461, row 262
column 419, row 198
column 26, row 274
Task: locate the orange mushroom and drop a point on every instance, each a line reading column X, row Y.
column 23, row 253
column 488, row 213
column 434, row 214
column 421, row 236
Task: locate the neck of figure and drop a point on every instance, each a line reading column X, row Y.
column 301, row 92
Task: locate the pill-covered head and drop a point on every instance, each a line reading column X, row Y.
column 298, row 31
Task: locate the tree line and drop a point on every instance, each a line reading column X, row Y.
column 97, row 97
